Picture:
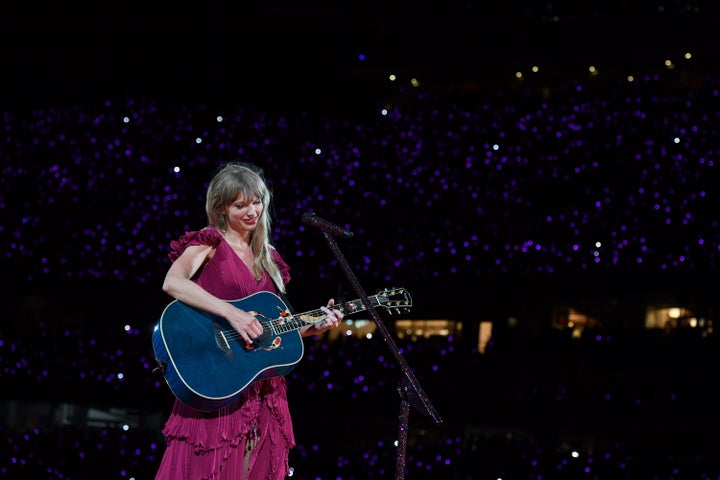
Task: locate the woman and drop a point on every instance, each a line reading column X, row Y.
column 232, row 258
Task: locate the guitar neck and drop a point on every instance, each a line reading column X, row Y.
column 391, row 299
column 315, row 316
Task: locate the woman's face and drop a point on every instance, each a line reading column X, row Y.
column 244, row 213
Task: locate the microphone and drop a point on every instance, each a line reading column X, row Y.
column 309, row 218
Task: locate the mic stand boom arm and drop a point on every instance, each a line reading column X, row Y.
column 409, row 388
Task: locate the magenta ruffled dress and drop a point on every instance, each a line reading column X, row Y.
column 211, row 445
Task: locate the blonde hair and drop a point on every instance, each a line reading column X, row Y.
column 247, row 180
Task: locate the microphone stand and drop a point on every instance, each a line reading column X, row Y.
column 409, row 389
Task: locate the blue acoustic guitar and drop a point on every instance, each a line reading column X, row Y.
column 207, row 364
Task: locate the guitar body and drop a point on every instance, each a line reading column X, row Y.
column 206, row 363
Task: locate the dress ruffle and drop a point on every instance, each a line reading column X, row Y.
column 206, row 236
column 220, row 436
column 210, row 430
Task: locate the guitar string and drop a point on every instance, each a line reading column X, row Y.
column 295, row 323
column 278, row 324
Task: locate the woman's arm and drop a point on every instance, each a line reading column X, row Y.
column 178, row 284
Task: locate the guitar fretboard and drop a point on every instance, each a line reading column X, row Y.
column 295, row 322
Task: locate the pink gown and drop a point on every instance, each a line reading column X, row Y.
column 212, row 445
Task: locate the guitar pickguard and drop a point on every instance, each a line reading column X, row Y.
column 276, row 343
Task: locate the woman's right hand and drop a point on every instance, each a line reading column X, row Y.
column 246, row 324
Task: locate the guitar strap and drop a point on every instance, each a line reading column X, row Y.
column 341, row 299
column 341, row 296
column 284, row 299
column 287, row 302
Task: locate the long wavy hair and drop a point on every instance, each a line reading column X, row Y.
column 247, row 180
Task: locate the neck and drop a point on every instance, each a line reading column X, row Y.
column 236, row 237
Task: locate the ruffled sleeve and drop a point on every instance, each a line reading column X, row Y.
column 284, row 267
column 206, row 236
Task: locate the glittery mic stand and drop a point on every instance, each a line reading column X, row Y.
column 410, row 391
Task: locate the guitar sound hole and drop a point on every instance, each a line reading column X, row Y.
column 263, row 340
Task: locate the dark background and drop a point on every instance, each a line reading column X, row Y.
column 619, row 386
column 288, row 53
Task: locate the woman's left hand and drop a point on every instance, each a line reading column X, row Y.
column 333, row 319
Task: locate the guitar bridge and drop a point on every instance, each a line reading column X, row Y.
column 222, row 342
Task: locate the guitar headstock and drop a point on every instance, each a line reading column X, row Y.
column 394, row 299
